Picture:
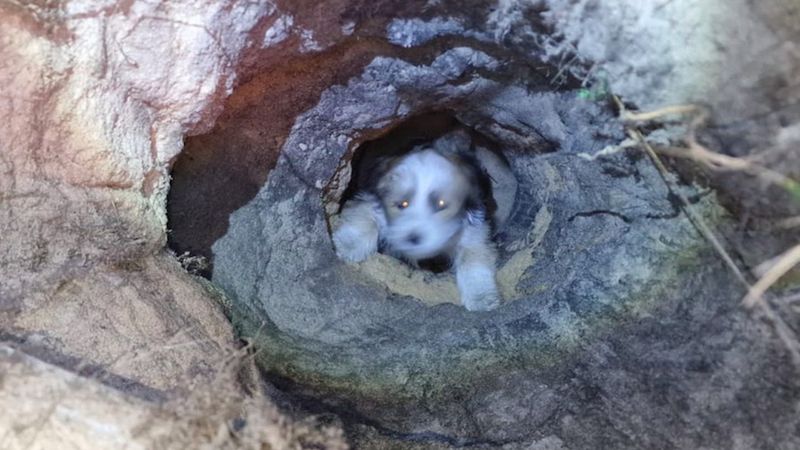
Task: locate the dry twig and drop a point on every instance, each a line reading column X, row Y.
column 717, row 161
column 788, row 223
column 697, row 221
column 784, row 263
column 697, row 152
column 629, row 116
column 702, row 155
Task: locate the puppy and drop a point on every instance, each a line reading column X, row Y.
column 426, row 204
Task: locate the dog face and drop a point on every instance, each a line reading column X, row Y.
column 425, row 197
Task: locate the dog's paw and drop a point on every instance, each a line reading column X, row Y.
column 478, row 289
column 486, row 301
column 354, row 245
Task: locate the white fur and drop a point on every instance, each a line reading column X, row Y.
column 422, row 172
column 475, row 263
column 356, row 237
column 464, row 237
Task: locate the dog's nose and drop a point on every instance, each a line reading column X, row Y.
column 413, row 238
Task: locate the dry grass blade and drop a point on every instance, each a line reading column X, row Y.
column 788, row 223
column 702, row 155
column 658, row 113
column 784, row 263
column 720, row 162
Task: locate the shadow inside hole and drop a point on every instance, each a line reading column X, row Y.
column 419, row 130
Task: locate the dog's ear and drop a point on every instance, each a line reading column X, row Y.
column 476, row 200
column 479, row 202
column 473, row 178
column 376, row 178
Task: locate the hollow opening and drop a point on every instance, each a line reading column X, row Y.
column 216, row 174
column 490, row 170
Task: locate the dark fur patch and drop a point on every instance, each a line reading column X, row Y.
column 479, row 200
column 437, row 264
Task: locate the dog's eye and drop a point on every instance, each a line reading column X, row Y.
column 440, row 204
column 403, row 205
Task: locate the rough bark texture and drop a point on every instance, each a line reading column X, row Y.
column 622, row 330
column 96, row 100
column 45, row 407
